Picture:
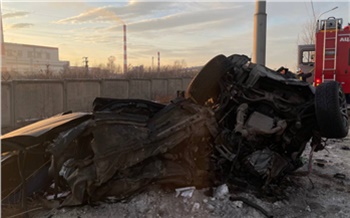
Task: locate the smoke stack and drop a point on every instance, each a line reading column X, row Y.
column 158, row 62
column 125, row 55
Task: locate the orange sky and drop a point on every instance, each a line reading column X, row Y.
column 190, row 31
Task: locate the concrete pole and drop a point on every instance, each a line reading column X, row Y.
column 259, row 49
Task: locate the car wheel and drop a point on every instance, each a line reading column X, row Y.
column 205, row 85
column 331, row 110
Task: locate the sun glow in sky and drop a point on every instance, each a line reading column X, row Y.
column 193, row 31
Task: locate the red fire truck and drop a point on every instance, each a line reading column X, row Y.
column 329, row 58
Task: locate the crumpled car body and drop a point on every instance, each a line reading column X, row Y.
column 24, row 160
column 265, row 118
column 238, row 120
column 121, row 147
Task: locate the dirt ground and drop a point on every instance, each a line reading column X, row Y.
column 324, row 193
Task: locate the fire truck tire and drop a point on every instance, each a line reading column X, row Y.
column 331, row 111
column 205, row 85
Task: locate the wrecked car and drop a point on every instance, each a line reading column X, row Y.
column 236, row 120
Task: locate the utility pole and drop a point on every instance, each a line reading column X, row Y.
column 158, row 62
column 152, row 63
column 86, row 62
column 47, row 69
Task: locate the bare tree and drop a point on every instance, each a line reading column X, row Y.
column 110, row 65
column 308, row 32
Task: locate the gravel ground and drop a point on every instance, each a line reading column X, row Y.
column 321, row 194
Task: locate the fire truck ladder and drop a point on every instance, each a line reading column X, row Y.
column 330, row 52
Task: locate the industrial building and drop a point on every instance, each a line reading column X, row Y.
column 24, row 58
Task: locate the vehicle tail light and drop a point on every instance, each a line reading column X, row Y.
column 318, row 82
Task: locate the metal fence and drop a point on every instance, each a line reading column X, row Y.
column 25, row 101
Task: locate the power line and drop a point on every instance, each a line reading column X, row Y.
column 307, row 9
column 313, row 10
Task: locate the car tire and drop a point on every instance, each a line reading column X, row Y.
column 331, row 110
column 205, row 85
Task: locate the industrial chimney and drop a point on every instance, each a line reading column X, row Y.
column 125, row 55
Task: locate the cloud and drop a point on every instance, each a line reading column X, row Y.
column 204, row 32
column 135, row 11
column 192, row 20
column 20, row 25
column 132, row 10
column 98, row 14
column 173, row 21
column 15, row 14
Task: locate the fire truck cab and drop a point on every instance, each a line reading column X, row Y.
column 329, row 58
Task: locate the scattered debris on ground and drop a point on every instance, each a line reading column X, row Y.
column 316, row 195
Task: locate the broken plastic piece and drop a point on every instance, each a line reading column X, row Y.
column 221, row 191
column 195, row 207
column 185, row 192
column 59, row 195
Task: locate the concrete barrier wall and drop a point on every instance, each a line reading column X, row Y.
column 23, row 101
column 140, row 89
column 174, row 85
column 6, row 114
column 81, row 94
column 36, row 100
column 115, row 89
column 185, row 83
column 159, row 89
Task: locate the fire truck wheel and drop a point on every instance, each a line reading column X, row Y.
column 205, row 85
column 331, row 111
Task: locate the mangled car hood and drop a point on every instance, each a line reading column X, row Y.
column 42, row 130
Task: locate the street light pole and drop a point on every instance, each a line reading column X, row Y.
column 326, row 12
column 317, row 21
